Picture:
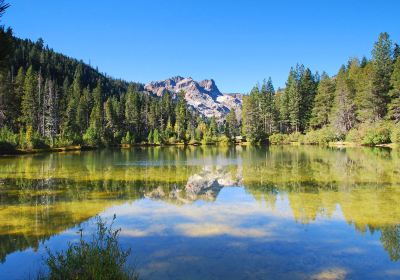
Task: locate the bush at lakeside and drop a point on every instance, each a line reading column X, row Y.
column 395, row 135
column 278, row 138
column 8, row 140
column 320, row 137
column 100, row 258
column 371, row 134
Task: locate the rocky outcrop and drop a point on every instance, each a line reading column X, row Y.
column 204, row 96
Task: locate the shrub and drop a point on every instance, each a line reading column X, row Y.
column 294, row 137
column 371, row 133
column 395, row 135
column 320, row 137
column 8, row 140
column 156, row 137
column 150, row 137
column 92, row 136
column 100, row 258
column 172, row 140
column 128, row 139
column 354, row 135
column 62, row 142
column 7, row 136
column 278, row 138
column 224, row 140
column 31, row 140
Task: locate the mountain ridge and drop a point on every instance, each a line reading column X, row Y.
column 203, row 96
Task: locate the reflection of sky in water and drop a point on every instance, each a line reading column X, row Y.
column 234, row 237
column 280, row 214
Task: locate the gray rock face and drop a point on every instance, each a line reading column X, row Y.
column 203, row 96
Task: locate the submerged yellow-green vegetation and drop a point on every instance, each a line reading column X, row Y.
column 43, row 195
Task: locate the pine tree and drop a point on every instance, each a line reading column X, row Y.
column 19, row 86
column 3, row 7
column 7, row 112
column 112, row 130
column 294, row 101
column 252, row 126
column 281, row 103
column 29, row 100
column 95, row 130
column 150, row 137
column 6, row 48
column 51, row 117
column 213, row 129
column 267, row 112
column 323, row 102
column 383, row 67
column 156, row 137
column 231, row 124
column 394, row 106
column 307, row 90
column 396, row 52
column 77, row 83
column 364, row 98
column 132, row 111
column 71, row 127
column 343, row 113
column 83, row 110
column 180, row 112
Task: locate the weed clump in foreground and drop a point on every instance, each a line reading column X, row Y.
column 99, row 258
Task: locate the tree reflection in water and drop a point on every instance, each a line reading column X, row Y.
column 42, row 196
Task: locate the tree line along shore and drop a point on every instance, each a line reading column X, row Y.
column 51, row 102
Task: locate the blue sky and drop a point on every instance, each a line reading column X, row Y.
column 237, row 43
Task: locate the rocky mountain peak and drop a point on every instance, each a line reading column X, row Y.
column 203, row 96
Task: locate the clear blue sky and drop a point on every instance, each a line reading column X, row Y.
column 237, row 43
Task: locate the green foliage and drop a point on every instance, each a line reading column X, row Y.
column 8, row 136
column 394, row 93
column 128, row 139
column 99, row 258
column 231, row 125
column 395, row 135
column 156, row 137
column 61, row 101
column 29, row 99
column 281, row 138
column 278, row 138
column 62, row 142
column 343, row 114
column 150, row 137
column 383, row 67
column 92, row 136
column 8, row 140
column 323, row 102
column 371, row 133
column 172, row 140
column 321, row 136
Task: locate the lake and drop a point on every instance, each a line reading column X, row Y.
column 210, row 212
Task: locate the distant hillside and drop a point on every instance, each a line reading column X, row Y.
column 59, row 67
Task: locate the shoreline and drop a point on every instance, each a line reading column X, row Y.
column 339, row 144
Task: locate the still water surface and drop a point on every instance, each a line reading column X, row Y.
column 211, row 213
